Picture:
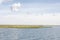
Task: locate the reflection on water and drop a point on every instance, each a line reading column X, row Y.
column 30, row 34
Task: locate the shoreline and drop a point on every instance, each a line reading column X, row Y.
column 23, row 26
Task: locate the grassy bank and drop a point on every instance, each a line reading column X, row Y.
column 22, row 26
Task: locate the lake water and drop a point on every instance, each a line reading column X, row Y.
column 30, row 34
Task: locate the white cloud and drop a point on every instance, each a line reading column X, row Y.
column 16, row 6
column 2, row 1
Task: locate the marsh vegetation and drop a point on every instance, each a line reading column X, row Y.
column 21, row 26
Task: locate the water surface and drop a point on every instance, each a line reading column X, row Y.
column 30, row 34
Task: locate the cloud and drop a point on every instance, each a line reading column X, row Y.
column 15, row 6
column 3, row 1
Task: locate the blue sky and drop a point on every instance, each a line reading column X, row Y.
column 33, row 8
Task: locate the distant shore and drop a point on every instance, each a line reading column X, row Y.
column 22, row 26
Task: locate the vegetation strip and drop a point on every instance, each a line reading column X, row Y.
column 22, row 26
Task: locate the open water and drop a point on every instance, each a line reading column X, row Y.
column 30, row 34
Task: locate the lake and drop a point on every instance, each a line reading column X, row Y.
column 30, row 34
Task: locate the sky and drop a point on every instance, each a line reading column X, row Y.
column 30, row 12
